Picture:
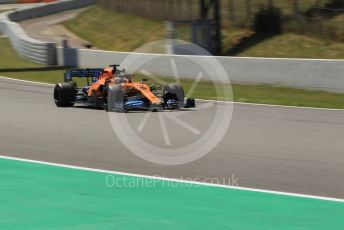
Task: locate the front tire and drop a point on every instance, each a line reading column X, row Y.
column 174, row 92
column 64, row 95
column 115, row 99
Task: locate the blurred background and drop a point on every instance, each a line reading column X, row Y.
column 277, row 28
column 252, row 28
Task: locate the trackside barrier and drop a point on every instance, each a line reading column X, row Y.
column 325, row 75
column 7, row 1
column 32, row 49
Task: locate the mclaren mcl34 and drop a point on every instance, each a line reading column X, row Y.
column 114, row 90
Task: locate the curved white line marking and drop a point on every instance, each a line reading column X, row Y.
column 174, row 180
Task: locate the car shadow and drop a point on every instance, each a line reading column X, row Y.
column 134, row 111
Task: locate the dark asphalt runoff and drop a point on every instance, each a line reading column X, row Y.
column 275, row 148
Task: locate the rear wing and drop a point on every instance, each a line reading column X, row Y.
column 82, row 73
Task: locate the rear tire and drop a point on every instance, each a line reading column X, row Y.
column 64, row 95
column 174, row 91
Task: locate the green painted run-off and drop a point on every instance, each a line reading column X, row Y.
column 36, row 196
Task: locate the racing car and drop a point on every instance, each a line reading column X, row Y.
column 113, row 89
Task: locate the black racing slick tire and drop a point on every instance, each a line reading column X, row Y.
column 115, row 98
column 64, row 94
column 174, row 91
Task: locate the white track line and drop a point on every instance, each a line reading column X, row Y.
column 270, row 105
column 173, row 180
column 32, row 82
column 239, row 103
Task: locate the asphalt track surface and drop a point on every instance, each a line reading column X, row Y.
column 49, row 28
column 274, row 148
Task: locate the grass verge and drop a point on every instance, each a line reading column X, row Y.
column 11, row 65
column 294, row 45
column 115, row 31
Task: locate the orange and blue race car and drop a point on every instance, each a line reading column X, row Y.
column 114, row 90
